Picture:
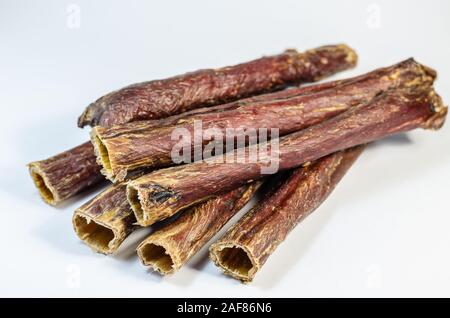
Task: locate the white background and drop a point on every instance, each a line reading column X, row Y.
column 383, row 232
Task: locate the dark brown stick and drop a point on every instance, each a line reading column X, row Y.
column 169, row 248
column 58, row 180
column 162, row 98
column 105, row 221
column 60, row 177
column 246, row 246
column 163, row 193
column 122, row 149
column 66, row 174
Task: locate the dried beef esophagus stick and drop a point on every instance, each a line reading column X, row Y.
column 66, row 174
column 123, row 149
column 162, row 98
column 105, row 221
column 62, row 176
column 170, row 247
column 163, row 193
column 247, row 245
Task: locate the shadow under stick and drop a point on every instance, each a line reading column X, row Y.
column 247, row 245
column 169, row 248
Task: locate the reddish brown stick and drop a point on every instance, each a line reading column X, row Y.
column 58, row 180
column 122, row 149
column 169, row 248
column 246, row 246
column 66, row 174
column 163, row 193
column 162, row 98
column 60, row 177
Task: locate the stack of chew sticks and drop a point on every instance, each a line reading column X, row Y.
column 322, row 129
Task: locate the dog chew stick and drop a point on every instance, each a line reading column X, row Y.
column 162, row 98
column 60, row 177
column 169, row 248
column 66, row 174
column 163, row 193
column 105, row 221
column 246, row 246
column 57, row 179
column 123, row 149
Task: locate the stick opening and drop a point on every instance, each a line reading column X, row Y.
column 236, row 261
column 103, row 154
column 133, row 199
column 97, row 236
column 156, row 256
column 44, row 190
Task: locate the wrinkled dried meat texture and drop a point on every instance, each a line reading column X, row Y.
column 162, row 98
column 243, row 250
column 55, row 187
column 136, row 146
column 169, row 248
column 164, row 192
column 64, row 175
column 105, row 221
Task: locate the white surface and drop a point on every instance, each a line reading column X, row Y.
column 383, row 232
